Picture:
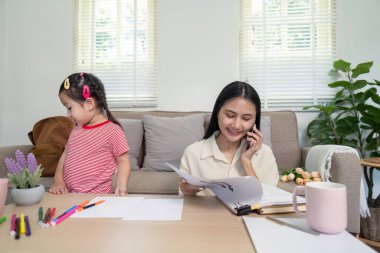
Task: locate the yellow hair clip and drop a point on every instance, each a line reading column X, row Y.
column 66, row 84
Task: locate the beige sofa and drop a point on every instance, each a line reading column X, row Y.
column 156, row 140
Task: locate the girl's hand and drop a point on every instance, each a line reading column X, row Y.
column 121, row 190
column 188, row 189
column 254, row 142
column 58, row 188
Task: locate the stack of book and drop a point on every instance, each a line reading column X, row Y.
column 276, row 201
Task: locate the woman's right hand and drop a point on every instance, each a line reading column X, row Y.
column 58, row 188
column 188, row 189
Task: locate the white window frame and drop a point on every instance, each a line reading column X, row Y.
column 288, row 74
column 127, row 65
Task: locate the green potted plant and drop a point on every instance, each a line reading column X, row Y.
column 24, row 174
column 352, row 118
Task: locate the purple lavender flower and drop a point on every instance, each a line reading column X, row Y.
column 20, row 158
column 12, row 165
column 32, row 162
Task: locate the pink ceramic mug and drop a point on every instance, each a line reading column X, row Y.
column 3, row 193
column 326, row 206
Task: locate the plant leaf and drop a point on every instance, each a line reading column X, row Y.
column 362, row 68
column 344, row 84
column 342, row 66
column 358, row 84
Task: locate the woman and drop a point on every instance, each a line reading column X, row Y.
column 233, row 144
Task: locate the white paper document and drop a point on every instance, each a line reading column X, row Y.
column 134, row 208
column 268, row 236
column 157, row 210
column 233, row 192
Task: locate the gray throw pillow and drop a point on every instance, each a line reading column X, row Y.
column 265, row 128
column 167, row 138
column 134, row 131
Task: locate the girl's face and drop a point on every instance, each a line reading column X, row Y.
column 235, row 118
column 79, row 112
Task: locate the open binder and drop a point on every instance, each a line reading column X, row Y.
column 237, row 193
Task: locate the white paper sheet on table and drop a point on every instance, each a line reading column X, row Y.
column 157, row 210
column 134, row 208
column 268, row 236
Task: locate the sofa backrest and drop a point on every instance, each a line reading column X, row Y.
column 284, row 138
column 284, row 134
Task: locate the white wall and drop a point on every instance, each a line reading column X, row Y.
column 2, row 64
column 198, row 52
column 38, row 57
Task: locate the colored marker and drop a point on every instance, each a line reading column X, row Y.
column 22, row 224
column 52, row 213
column 13, row 225
column 28, row 231
column 55, row 219
column 40, row 214
column 17, row 234
column 2, row 219
column 47, row 215
column 64, row 217
column 84, row 203
column 91, row 205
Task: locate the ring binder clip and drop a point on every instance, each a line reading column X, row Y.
column 242, row 209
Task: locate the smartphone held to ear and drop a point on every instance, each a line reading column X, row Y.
column 248, row 142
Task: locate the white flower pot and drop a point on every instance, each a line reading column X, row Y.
column 27, row 197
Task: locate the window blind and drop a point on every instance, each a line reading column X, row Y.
column 115, row 40
column 287, row 48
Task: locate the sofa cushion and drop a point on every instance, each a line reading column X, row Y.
column 167, row 138
column 134, row 131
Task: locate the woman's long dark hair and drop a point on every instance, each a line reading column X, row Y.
column 233, row 90
column 74, row 89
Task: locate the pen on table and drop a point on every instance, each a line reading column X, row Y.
column 90, row 205
column 13, row 225
column 17, row 230
column 40, row 214
column 283, row 223
column 84, row 203
column 2, row 219
column 71, row 208
column 22, row 224
column 68, row 214
column 47, row 216
column 27, row 224
column 52, row 213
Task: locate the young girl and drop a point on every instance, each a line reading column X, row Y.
column 233, row 144
column 97, row 145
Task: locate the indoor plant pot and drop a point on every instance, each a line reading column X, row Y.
column 24, row 174
column 28, row 196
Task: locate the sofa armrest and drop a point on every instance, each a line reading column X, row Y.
column 304, row 152
column 346, row 169
column 9, row 151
